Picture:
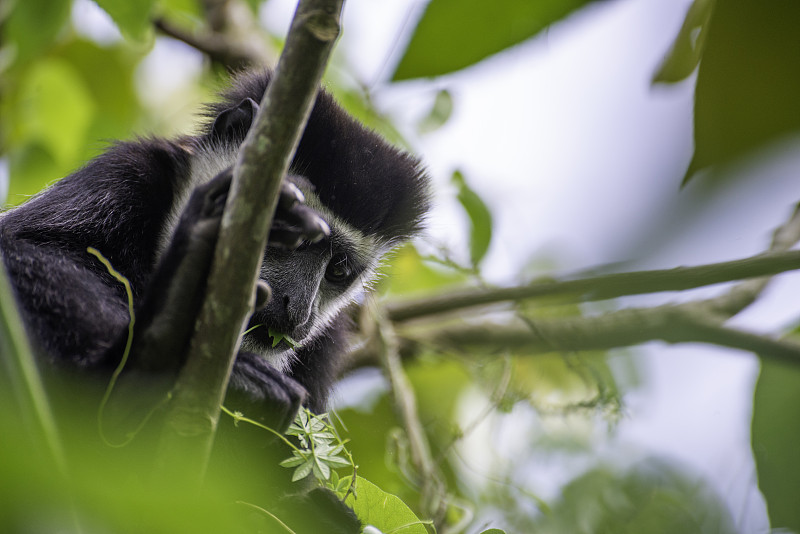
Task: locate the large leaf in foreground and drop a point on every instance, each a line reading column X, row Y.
column 748, row 82
column 775, row 435
column 454, row 34
column 383, row 510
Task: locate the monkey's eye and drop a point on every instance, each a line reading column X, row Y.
column 338, row 270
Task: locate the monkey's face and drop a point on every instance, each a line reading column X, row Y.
column 310, row 286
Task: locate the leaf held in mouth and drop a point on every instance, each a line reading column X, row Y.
column 277, row 337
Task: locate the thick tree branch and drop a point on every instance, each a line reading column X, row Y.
column 603, row 287
column 263, row 161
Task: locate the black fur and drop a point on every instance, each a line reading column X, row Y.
column 352, row 170
column 121, row 203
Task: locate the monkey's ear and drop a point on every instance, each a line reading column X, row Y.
column 235, row 121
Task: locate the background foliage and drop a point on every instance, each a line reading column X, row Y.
column 490, row 414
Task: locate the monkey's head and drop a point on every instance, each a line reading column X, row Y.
column 372, row 195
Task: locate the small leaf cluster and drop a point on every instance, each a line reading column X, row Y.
column 277, row 337
column 320, row 451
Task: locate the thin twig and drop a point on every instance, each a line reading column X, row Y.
column 742, row 295
column 217, row 46
column 603, row 287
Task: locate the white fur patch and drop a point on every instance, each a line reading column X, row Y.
column 206, row 162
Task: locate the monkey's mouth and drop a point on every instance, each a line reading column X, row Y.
column 278, row 339
column 269, row 339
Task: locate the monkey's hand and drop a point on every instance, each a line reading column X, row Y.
column 167, row 314
column 263, row 393
column 294, row 222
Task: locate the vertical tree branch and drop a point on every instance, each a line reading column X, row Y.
column 433, row 488
column 263, row 161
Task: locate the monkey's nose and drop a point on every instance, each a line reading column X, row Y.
column 296, row 312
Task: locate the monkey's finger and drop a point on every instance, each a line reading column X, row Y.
column 308, row 221
column 285, row 237
column 263, row 295
column 289, row 195
column 216, row 193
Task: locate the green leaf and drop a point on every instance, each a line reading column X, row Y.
column 183, row 10
column 439, row 113
column 775, row 434
column 337, row 461
column 493, row 531
column 340, row 485
column 294, row 461
column 654, row 497
column 277, row 337
column 454, row 34
column 408, row 273
column 33, row 26
column 318, row 455
column 479, row 216
column 132, row 17
column 684, row 56
column 359, row 104
column 322, row 471
column 748, row 82
column 383, row 510
column 32, row 168
column 108, row 73
column 302, row 472
column 56, row 110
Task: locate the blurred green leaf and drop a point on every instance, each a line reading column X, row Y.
column 439, row 114
column 184, row 10
column 479, row 216
column 48, row 118
column 132, row 17
column 31, row 168
column 408, row 273
column 653, row 498
column 107, row 73
column 370, row 431
column 775, row 434
column 51, row 121
column 358, row 104
column 560, row 381
column 56, row 109
column 748, row 82
column 383, row 510
column 33, row 26
column 254, row 4
column 438, row 385
column 454, row 34
column 684, row 56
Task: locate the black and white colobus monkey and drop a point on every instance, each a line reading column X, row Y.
column 152, row 207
